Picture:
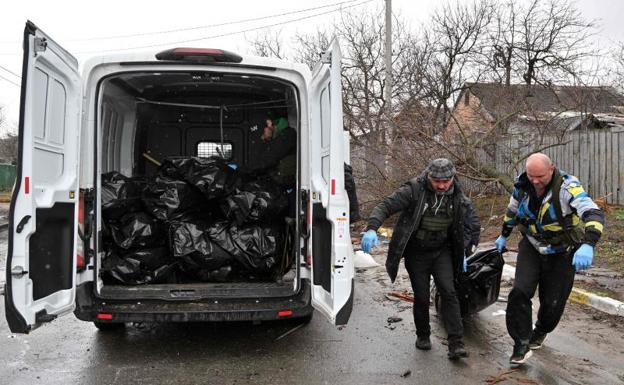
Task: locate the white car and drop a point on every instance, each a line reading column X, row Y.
column 122, row 114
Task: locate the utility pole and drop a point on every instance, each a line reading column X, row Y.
column 388, row 60
column 387, row 134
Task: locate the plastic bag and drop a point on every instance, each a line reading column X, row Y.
column 139, row 267
column 258, row 247
column 189, row 242
column 168, row 199
column 479, row 287
column 120, row 195
column 138, row 230
column 254, row 202
column 212, row 176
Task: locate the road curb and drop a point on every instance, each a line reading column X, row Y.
column 4, row 226
column 583, row 297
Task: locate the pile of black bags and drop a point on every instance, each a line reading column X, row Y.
column 196, row 220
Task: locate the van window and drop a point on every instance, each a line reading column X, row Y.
column 211, row 149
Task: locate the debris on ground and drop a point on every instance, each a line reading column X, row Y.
column 290, row 331
column 363, row 260
column 394, row 319
column 403, row 296
column 500, row 376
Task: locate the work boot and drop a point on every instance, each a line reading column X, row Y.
column 423, row 343
column 457, row 350
column 520, row 355
column 537, row 339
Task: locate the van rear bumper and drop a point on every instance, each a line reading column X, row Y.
column 88, row 307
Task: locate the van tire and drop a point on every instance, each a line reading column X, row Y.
column 108, row 326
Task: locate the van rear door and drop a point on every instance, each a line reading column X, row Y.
column 332, row 261
column 41, row 264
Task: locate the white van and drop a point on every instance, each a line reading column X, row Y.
column 125, row 112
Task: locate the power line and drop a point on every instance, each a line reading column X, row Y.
column 11, row 72
column 10, row 81
column 202, row 26
column 224, row 34
column 212, row 25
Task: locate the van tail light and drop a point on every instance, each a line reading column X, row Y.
column 80, row 260
column 284, row 313
column 201, row 55
column 104, row 316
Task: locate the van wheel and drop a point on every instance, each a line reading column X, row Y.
column 108, row 326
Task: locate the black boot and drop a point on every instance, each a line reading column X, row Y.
column 457, row 350
column 423, row 343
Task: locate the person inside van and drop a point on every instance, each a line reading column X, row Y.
column 279, row 156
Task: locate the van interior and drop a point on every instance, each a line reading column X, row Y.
column 184, row 211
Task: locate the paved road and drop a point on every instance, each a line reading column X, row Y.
column 588, row 347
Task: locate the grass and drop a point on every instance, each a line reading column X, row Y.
column 609, row 252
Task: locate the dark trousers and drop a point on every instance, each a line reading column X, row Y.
column 421, row 265
column 555, row 276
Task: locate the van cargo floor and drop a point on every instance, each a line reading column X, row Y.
column 191, row 291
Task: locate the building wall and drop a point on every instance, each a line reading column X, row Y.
column 468, row 115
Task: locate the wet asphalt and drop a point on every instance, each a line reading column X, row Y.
column 587, row 348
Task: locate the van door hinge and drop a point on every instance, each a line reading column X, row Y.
column 18, row 271
column 41, row 44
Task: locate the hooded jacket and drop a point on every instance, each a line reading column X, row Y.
column 410, row 200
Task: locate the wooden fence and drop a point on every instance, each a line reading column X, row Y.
column 596, row 157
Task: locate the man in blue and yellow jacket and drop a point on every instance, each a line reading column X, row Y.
column 547, row 205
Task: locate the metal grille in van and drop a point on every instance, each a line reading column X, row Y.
column 210, row 149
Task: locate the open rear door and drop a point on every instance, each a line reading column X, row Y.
column 40, row 282
column 332, row 253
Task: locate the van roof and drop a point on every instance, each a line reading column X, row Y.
column 150, row 56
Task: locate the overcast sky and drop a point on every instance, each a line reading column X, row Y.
column 78, row 27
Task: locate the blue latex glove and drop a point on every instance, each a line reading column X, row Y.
column 465, row 264
column 500, row 243
column 369, row 239
column 233, row 166
column 583, row 257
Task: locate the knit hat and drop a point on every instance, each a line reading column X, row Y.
column 280, row 125
column 441, row 168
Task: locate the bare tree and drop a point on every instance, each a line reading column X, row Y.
column 309, row 47
column 8, row 148
column 268, row 44
column 617, row 70
column 456, row 33
column 553, row 36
